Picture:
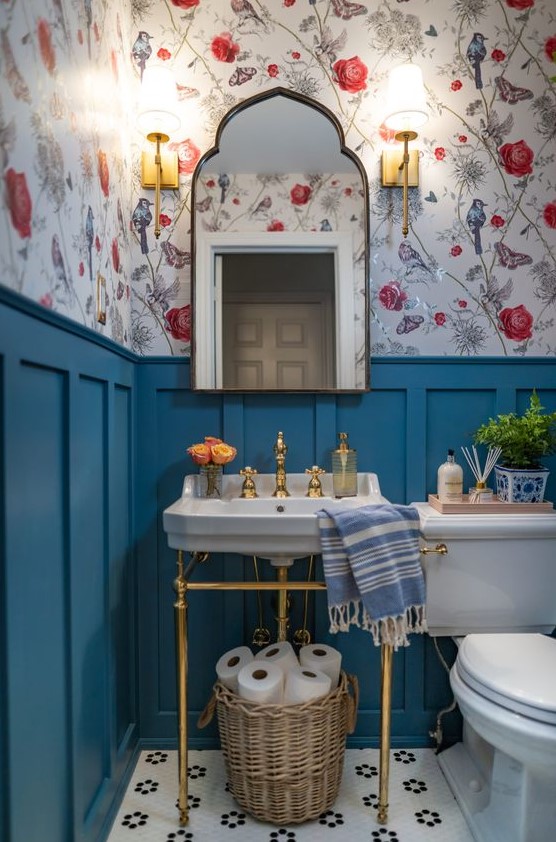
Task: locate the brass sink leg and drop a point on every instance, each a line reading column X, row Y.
column 180, row 622
column 385, row 717
column 282, row 619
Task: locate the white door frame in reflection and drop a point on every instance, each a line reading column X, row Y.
column 207, row 325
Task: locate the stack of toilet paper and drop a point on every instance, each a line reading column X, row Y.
column 276, row 676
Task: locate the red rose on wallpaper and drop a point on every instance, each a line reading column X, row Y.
column 178, row 322
column 517, row 158
column 456, row 85
column 188, row 155
column 223, row 48
column 550, row 48
column 300, row 194
column 19, row 202
column 164, row 54
column 549, row 214
column 45, row 45
column 391, row 296
column 516, row 323
column 439, row 153
column 116, row 255
column 272, row 70
column 497, row 221
column 521, row 5
column 386, row 134
column 440, row 319
column 498, row 55
column 103, row 172
column 275, row 225
column 164, row 220
column 186, row 4
column 351, row 74
column 455, row 251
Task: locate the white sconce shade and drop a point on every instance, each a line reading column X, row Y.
column 158, row 102
column 406, row 104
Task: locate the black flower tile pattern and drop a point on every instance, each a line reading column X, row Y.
column 413, row 785
column 421, row 806
column 146, row 787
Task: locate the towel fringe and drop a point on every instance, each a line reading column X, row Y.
column 390, row 630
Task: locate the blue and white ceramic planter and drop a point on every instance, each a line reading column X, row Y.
column 519, row 485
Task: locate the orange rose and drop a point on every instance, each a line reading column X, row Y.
column 200, row 453
column 222, row 453
column 210, row 440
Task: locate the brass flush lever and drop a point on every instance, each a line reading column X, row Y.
column 440, row 549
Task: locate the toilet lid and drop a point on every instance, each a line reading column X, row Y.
column 517, row 671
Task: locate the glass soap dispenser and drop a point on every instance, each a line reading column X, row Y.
column 344, row 469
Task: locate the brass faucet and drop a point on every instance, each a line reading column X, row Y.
column 280, row 449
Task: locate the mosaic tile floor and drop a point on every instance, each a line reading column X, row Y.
column 421, row 804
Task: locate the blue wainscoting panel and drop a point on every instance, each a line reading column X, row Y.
column 67, row 626
column 401, row 430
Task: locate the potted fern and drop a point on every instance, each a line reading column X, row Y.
column 524, row 440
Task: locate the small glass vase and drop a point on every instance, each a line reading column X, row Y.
column 210, row 480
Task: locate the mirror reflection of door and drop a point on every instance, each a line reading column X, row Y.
column 277, row 320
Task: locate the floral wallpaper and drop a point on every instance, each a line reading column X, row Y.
column 64, row 144
column 476, row 274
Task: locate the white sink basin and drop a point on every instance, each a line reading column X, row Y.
column 276, row 528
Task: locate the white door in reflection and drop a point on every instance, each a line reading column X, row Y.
column 277, row 320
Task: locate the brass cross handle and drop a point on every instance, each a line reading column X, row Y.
column 315, row 488
column 248, row 490
column 440, row 549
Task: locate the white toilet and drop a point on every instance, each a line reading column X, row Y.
column 494, row 591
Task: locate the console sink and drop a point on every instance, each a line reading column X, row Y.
column 279, row 529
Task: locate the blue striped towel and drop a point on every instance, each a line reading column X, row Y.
column 373, row 571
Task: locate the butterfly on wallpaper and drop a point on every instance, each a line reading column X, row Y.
column 345, row 9
column 511, row 93
column 161, row 295
column 494, row 296
column 330, row 46
column 241, row 75
column 431, row 31
column 431, row 197
column 186, row 93
column 204, row 205
column 409, row 323
column 509, row 258
column 174, row 256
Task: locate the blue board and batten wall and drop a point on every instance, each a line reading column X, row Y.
column 92, row 449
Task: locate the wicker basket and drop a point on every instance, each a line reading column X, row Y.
column 284, row 763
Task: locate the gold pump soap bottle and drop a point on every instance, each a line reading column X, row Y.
column 344, row 469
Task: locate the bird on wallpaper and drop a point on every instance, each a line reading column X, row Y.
column 476, row 52
column 90, row 236
column 58, row 263
column 325, row 225
column 141, row 219
column 411, row 258
column 223, row 183
column 141, row 51
column 476, row 218
column 245, row 11
column 263, row 206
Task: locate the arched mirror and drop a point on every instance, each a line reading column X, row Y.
column 280, row 252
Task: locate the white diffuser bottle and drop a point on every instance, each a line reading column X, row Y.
column 450, row 480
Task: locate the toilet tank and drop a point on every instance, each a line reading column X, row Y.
column 498, row 575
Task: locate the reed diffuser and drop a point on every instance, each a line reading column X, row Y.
column 480, row 493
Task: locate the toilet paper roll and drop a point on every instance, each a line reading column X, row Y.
column 281, row 654
column 318, row 656
column 262, row 683
column 304, row 685
column 229, row 665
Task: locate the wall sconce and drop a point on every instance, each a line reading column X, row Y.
column 407, row 110
column 156, row 120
